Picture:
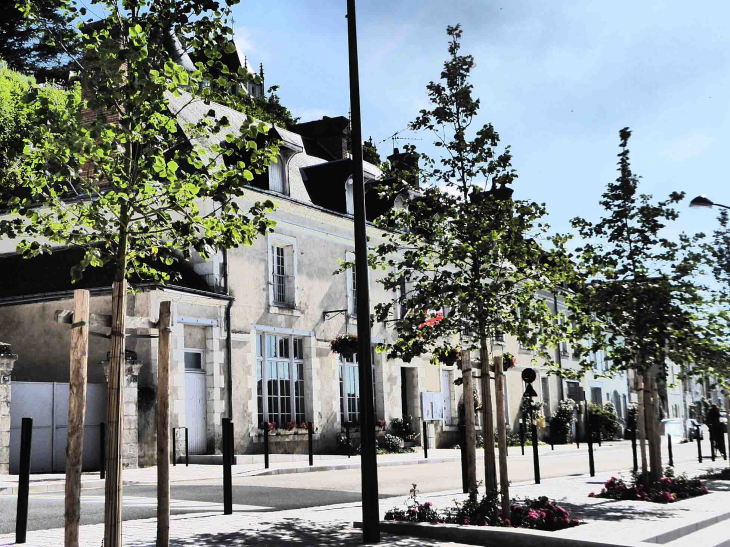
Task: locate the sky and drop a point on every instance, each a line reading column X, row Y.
column 557, row 79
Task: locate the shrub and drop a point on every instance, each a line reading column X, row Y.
column 668, row 489
column 605, row 421
column 403, row 428
column 539, row 514
column 390, row 443
column 561, row 424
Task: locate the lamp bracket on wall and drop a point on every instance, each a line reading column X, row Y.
column 329, row 314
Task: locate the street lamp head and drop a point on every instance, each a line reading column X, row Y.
column 701, row 201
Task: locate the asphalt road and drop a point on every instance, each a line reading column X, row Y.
column 300, row 490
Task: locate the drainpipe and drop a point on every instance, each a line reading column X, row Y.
column 229, row 351
column 560, row 357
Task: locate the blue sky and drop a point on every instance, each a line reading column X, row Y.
column 557, row 79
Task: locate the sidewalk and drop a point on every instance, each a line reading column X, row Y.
column 253, row 465
column 606, row 521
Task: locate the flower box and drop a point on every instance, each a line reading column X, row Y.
column 449, row 357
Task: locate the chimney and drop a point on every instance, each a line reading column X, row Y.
column 329, row 137
column 405, row 164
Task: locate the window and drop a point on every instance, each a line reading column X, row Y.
column 349, row 197
column 280, row 368
column 193, row 359
column 574, row 392
column 282, row 272
column 563, row 343
column 350, row 389
column 277, row 176
column 596, row 396
column 279, row 274
column 351, row 287
column 499, row 338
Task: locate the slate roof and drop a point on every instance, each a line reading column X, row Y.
column 50, row 273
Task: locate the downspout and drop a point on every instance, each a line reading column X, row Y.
column 229, row 349
column 560, row 357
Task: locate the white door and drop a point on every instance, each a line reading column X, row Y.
column 195, row 411
column 446, row 394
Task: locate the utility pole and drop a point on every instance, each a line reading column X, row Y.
column 369, row 466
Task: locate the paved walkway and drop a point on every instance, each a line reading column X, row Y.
column 620, row 523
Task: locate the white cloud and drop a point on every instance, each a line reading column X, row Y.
column 244, row 41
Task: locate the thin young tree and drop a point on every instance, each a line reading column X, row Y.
column 470, row 262
column 643, row 288
column 135, row 177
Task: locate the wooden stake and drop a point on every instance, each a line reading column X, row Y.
column 76, row 411
column 490, row 461
column 469, row 415
column 641, row 423
column 115, row 420
column 501, row 436
column 163, row 426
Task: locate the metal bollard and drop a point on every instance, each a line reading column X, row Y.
column 699, row 445
column 671, row 455
column 227, row 461
column 21, row 519
column 102, row 450
column 347, row 439
column 591, row 462
column 310, row 435
column 552, row 438
column 633, row 449
column 522, row 436
column 266, row 445
column 712, row 442
column 535, row 455
column 187, row 452
column 425, row 439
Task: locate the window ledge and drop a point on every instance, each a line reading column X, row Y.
column 500, row 343
column 284, row 310
column 525, row 350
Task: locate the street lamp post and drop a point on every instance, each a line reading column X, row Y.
column 703, row 201
column 369, row 465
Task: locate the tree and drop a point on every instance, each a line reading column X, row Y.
column 41, row 45
column 370, row 153
column 19, row 114
column 127, row 178
column 470, row 261
column 268, row 108
column 642, row 287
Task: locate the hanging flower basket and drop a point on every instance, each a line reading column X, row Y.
column 449, row 357
column 344, row 344
column 508, row 361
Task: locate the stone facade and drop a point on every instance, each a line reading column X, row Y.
column 130, row 431
column 7, row 362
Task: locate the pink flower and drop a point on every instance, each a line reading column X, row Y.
column 592, row 495
column 428, row 504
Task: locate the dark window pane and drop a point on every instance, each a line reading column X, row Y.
column 193, row 361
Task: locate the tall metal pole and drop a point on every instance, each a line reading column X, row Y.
column 369, row 466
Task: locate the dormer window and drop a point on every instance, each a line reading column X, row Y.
column 349, row 197
column 277, row 177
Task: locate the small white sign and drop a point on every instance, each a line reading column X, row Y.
column 432, row 406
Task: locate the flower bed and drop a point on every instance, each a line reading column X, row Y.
column 668, row 489
column 539, row 514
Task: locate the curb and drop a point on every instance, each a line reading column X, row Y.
column 478, row 535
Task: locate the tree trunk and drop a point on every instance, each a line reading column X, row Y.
column 163, row 426
column 115, row 420
column 468, row 388
column 76, row 411
column 658, row 404
column 490, row 467
column 651, row 427
column 685, row 414
column 502, row 436
column 727, row 409
column 641, row 423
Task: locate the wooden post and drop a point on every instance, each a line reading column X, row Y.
column 651, row 428
column 163, row 425
column 490, row 461
column 657, row 428
column 76, row 411
column 469, row 415
column 641, row 423
column 115, row 420
column 501, row 436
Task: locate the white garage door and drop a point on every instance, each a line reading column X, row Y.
column 47, row 404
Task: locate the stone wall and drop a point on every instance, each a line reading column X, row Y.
column 7, row 361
